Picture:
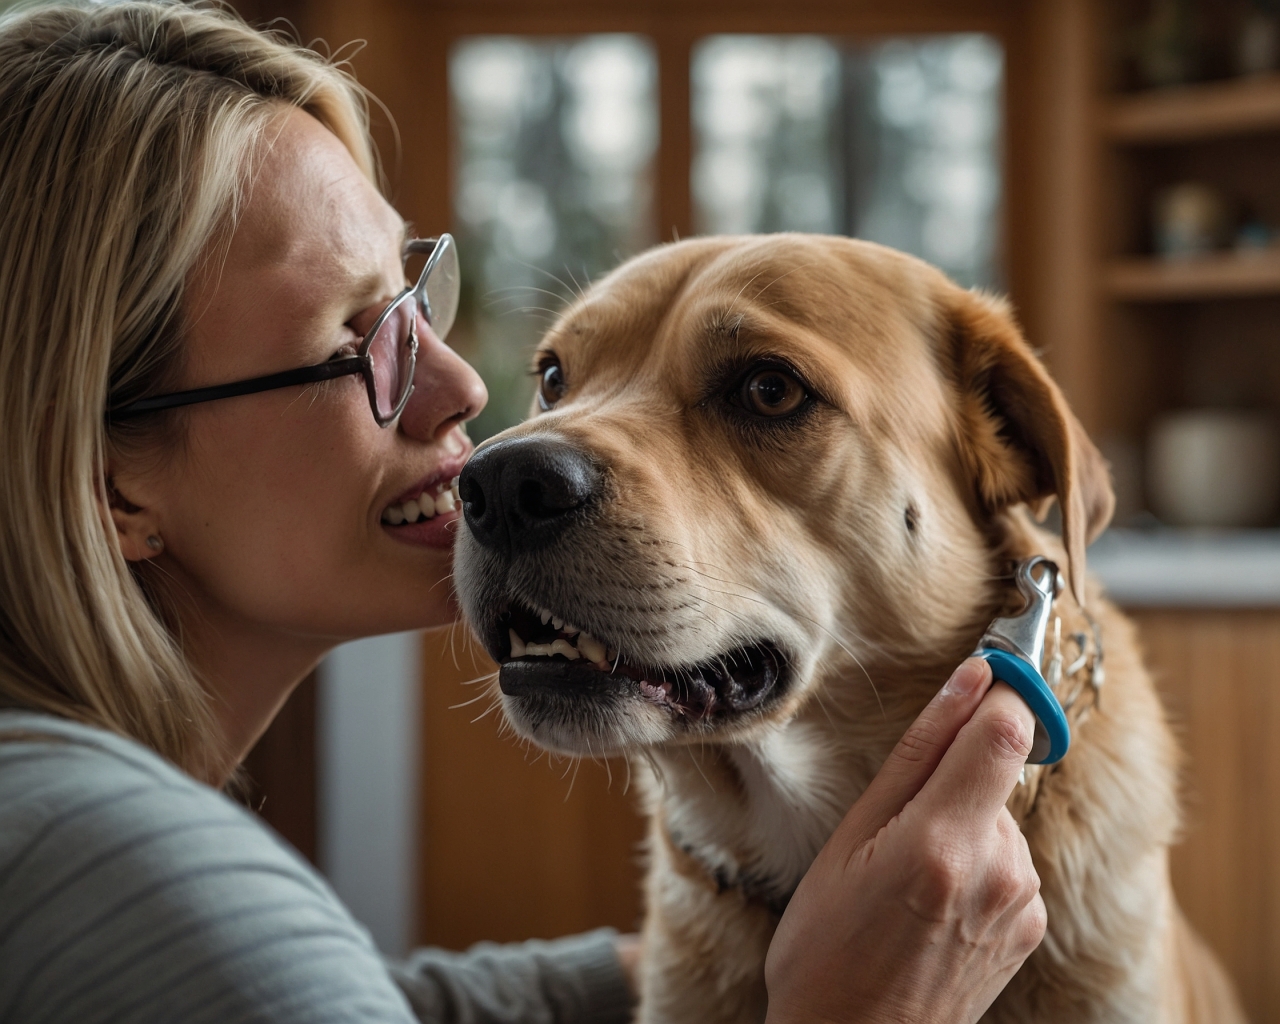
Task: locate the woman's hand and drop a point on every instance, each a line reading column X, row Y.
column 924, row 903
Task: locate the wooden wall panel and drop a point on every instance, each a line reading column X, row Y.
column 1219, row 672
column 279, row 775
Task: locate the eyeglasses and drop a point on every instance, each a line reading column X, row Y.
column 387, row 356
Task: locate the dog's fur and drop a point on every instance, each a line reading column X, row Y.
column 870, row 537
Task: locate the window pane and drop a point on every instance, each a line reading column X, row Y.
column 554, row 146
column 896, row 141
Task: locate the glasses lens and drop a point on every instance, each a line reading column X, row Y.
column 393, row 356
column 443, row 287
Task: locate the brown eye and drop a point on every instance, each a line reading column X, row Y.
column 551, row 386
column 773, row 392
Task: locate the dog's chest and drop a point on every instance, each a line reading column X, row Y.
column 758, row 816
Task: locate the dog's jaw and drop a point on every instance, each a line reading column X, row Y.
column 661, row 671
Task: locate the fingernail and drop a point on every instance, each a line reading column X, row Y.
column 967, row 679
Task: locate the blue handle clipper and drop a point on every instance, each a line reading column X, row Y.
column 1014, row 647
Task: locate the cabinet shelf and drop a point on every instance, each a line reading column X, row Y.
column 1225, row 275
column 1190, row 113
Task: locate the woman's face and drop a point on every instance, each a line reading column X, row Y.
column 271, row 511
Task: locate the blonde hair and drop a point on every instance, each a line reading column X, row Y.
column 125, row 129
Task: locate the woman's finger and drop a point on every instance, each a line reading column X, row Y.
column 918, row 753
column 980, row 768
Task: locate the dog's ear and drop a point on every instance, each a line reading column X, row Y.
column 1018, row 439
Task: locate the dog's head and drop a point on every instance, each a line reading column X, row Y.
column 755, row 460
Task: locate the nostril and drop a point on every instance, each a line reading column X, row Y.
column 472, row 496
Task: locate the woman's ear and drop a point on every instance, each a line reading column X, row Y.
column 1019, row 441
column 136, row 526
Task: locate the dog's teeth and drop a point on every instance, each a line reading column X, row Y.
column 612, row 655
column 545, row 616
column 518, row 647
column 537, row 650
column 591, row 648
column 571, row 629
column 557, row 622
column 567, row 649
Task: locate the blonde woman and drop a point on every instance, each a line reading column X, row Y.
column 219, row 400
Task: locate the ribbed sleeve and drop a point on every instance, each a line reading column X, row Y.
column 132, row 894
column 576, row 980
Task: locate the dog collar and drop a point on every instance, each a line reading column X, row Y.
column 1014, row 648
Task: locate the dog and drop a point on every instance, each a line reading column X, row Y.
column 772, row 493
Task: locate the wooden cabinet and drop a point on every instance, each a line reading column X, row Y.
column 1219, row 672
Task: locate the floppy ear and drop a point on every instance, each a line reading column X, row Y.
column 1018, row 439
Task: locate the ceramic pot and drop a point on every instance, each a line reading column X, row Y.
column 1214, row 467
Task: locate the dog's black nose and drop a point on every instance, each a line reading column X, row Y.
column 522, row 493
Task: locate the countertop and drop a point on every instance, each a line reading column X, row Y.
column 1170, row 568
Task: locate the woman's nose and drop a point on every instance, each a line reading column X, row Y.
column 446, row 390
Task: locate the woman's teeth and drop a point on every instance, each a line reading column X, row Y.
column 430, row 503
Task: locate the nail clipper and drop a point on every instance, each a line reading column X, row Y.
column 1014, row 648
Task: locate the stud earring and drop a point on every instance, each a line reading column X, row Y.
column 154, row 543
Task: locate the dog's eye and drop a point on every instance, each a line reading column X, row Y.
column 772, row 392
column 551, row 386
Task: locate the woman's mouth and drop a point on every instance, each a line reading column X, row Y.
column 437, row 500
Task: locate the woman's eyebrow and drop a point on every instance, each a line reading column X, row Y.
column 371, row 285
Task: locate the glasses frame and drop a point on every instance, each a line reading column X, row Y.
column 361, row 362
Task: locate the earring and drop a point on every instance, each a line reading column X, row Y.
column 154, row 543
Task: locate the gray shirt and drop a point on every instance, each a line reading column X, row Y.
column 129, row 892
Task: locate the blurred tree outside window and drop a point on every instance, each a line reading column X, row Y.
column 554, row 144
column 896, row 141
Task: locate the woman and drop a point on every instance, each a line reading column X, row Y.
column 186, row 203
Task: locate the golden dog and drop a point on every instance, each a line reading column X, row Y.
column 772, row 496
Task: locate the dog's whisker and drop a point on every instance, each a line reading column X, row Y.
column 697, row 764
column 468, row 703
column 576, row 764
column 487, row 711
column 488, row 677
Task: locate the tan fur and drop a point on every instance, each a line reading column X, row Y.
column 717, row 531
